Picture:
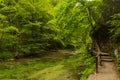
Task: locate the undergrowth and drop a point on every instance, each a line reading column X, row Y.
column 75, row 67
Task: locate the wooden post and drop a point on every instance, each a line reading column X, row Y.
column 96, row 64
column 100, row 60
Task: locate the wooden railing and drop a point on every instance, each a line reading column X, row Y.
column 98, row 56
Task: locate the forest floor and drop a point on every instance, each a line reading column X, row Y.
column 106, row 72
column 60, row 65
column 56, row 72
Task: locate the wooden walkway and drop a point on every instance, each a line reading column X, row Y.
column 105, row 68
column 106, row 72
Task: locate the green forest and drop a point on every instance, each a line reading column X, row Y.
column 56, row 39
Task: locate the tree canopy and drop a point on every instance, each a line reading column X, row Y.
column 30, row 27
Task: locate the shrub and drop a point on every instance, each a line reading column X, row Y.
column 5, row 56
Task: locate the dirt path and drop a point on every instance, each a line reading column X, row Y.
column 106, row 72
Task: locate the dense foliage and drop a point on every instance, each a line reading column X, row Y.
column 33, row 27
column 30, row 27
column 25, row 26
